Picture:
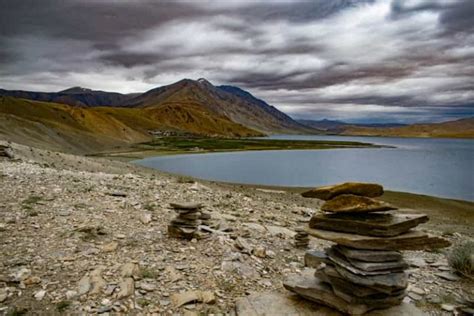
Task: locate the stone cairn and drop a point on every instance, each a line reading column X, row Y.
column 185, row 224
column 301, row 238
column 365, row 269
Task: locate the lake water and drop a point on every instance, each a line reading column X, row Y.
column 433, row 166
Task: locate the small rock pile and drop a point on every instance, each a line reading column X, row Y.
column 301, row 238
column 185, row 225
column 365, row 269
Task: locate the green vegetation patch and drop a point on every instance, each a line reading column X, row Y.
column 461, row 259
column 198, row 144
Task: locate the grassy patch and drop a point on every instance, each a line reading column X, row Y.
column 148, row 273
column 460, row 258
column 202, row 144
column 62, row 306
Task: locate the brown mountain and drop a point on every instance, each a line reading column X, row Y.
column 188, row 105
column 463, row 128
column 226, row 101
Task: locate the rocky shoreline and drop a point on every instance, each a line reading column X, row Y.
column 89, row 235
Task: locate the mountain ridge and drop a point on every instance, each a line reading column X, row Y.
column 233, row 103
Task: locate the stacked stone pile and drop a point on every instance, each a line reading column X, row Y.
column 185, row 224
column 364, row 270
column 301, row 238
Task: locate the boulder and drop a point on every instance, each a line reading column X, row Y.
column 349, row 203
column 355, row 188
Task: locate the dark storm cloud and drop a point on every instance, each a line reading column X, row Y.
column 351, row 59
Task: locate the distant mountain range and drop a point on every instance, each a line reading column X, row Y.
column 462, row 128
column 89, row 118
column 336, row 126
column 82, row 119
column 183, row 96
column 452, row 129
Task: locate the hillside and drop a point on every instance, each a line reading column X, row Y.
column 232, row 102
column 199, row 106
column 77, row 129
column 75, row 96
column 463, row 128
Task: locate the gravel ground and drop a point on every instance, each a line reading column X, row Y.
column 86, row 235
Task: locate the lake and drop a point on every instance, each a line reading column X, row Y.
column 432, row 166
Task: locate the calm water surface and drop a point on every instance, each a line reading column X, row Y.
column 439, row 167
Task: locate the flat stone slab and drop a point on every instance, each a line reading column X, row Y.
column 353, row 293
column 412, row 240
column 355, row 188
column 385, row 283
column 272, row 304
column 186, row 205
column 349, row 203
column 359, row 289
column 373, row 224
column 330, row 275
column 319, row 292
column 371, row 256
column 382, row 268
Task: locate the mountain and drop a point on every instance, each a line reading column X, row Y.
column 335, row 126
column 463, row 128
column 226, row 101
column 83, row 129
column 75, row 96
column 186, row 104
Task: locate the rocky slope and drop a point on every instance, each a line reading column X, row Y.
column 83, row 235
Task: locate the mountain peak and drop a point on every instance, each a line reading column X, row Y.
column 75, row 90
column 205, row 82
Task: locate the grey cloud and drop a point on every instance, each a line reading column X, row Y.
column 335, row 58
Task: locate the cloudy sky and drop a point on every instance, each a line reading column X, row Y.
column 355, row 60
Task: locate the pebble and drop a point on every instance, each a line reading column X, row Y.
column 447, row 307
column 40, row 295
column 71, row 294
column 449, row 276
column 3, row 295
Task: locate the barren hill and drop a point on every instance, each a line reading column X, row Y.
column 77, row 129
